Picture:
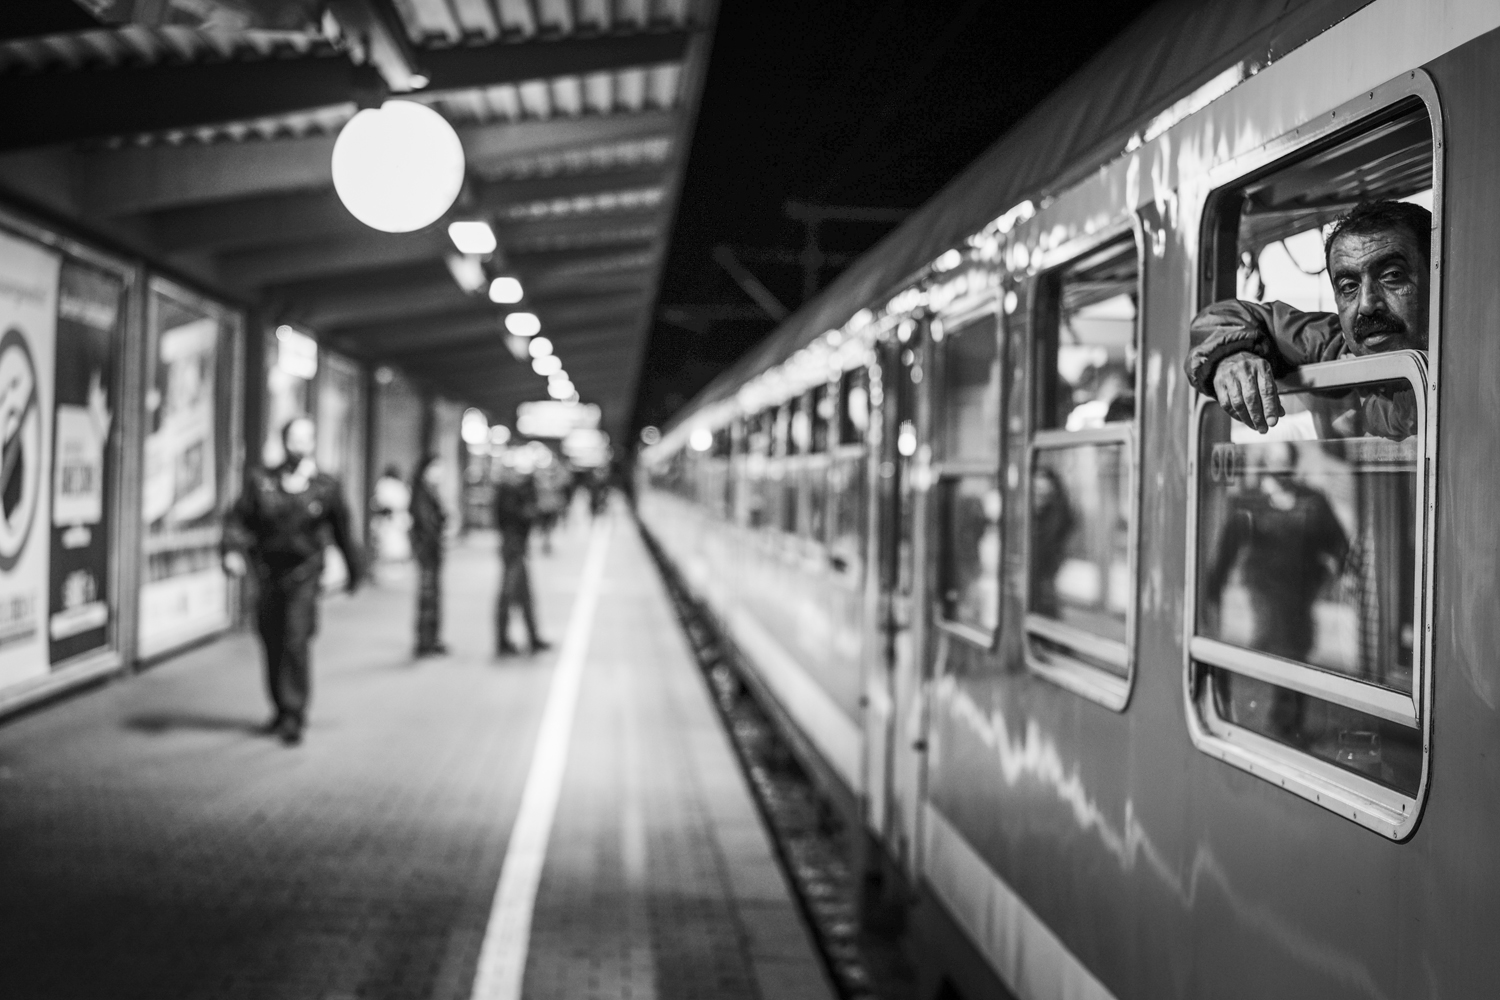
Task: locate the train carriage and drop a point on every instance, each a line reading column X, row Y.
column 975, row 536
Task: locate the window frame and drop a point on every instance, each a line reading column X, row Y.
column 1084, row 679
column 943, row 471
column 1345, row 793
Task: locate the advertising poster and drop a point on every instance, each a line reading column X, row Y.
column 28, row 320
column 89, row 311
column 184, row 593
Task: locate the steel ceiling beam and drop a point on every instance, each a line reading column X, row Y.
column 137, row 179
column 68, row 106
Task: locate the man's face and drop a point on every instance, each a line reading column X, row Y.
column 300, row 440
column 1380, row 285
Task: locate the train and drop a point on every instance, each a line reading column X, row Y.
column 974, row 535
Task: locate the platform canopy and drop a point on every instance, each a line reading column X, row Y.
column 199, row 135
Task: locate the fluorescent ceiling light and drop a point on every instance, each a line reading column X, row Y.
column 539, row 347
column 523, row 324
column 472, row 237
column 505, row 290
column 467, row 272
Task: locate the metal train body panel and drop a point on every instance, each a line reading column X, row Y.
column 1092, row 843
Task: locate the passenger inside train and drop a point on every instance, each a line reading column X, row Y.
column 1378, row 258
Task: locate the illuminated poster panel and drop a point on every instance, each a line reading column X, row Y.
column 90, row 331
column 28, row 328
column 187, row 463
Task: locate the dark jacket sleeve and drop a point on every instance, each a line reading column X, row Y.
column 239, row 523
column 1286, row 337
column 343, row 534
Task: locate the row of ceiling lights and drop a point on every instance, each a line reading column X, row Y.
column 398, row 169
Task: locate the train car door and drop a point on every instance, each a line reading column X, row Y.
column 894, row 724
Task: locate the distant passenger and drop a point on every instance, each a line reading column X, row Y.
column 279, row 527
column 429, row 522
column 1282, row 541
column 515, row 513
column 1378, row 258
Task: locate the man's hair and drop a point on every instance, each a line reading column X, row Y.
column 1371, row 217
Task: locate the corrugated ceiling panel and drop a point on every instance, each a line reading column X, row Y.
column 476, row 19
column 630, row 89
column 536, row 99
column 599, row 92
column 555, row 15
column 428, row 19
column 567, row 96
column 664, row 85
column 517, row 16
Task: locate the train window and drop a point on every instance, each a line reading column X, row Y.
column 801, row 425
column 968, row 481
column 1308, row 635
column 1080, row 593
column 821, row 412
column 854, row 406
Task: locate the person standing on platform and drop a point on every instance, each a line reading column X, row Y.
column 428, row 522
column 515, row 513
column 279, row 527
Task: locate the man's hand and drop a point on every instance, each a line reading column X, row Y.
column 234, row 564
column 1246, row 389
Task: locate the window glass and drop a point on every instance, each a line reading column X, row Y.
column 1284, row 218
column 801, row 425
column 1080, row 537
column 969, row 425
column 854, row 406
column 970, row 555
column 816, row 488
column 1087, row 351
column 780, row 429
column 846, row 501
column 822, row 408
column 1307, row 534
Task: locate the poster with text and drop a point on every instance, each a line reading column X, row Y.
column 90, row 310
column 28, row 318
column 184, row 594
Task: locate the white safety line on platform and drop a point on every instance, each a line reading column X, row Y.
column 502, row 956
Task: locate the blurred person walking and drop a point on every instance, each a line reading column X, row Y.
column 279, row 527
column 390, row 521
column 428, row 523
column 515, row 513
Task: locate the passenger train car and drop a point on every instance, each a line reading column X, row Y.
column 986, row 554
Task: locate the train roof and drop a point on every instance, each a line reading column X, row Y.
column 1168, row 53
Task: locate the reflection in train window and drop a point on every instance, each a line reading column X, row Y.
column 970, row 551
column 1080, row 593
column 854, row 406
column 1306, row 572
column 968, row 482
column 1282, row 220
column 969, row 421
column 1086, row 353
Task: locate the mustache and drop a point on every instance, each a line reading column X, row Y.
column 1365, row 327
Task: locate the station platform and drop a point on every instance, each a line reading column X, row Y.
column 570, row 825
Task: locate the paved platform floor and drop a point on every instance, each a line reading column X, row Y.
column 153, row 845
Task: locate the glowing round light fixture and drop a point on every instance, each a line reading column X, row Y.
column 547, row 364
column 523, row 324
column 650, row 435
column 559, row 376
column 701, row 439
column 505, row 290
column 539, row 347
column 398, row 168
column 560, row 390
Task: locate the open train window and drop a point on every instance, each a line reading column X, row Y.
column 967, row 471
column 1080, row 594
column 1310, row 546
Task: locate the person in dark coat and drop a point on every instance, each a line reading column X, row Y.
column 1379, row 261
column 279, row 528
column 428, row 521
column 515, row 513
